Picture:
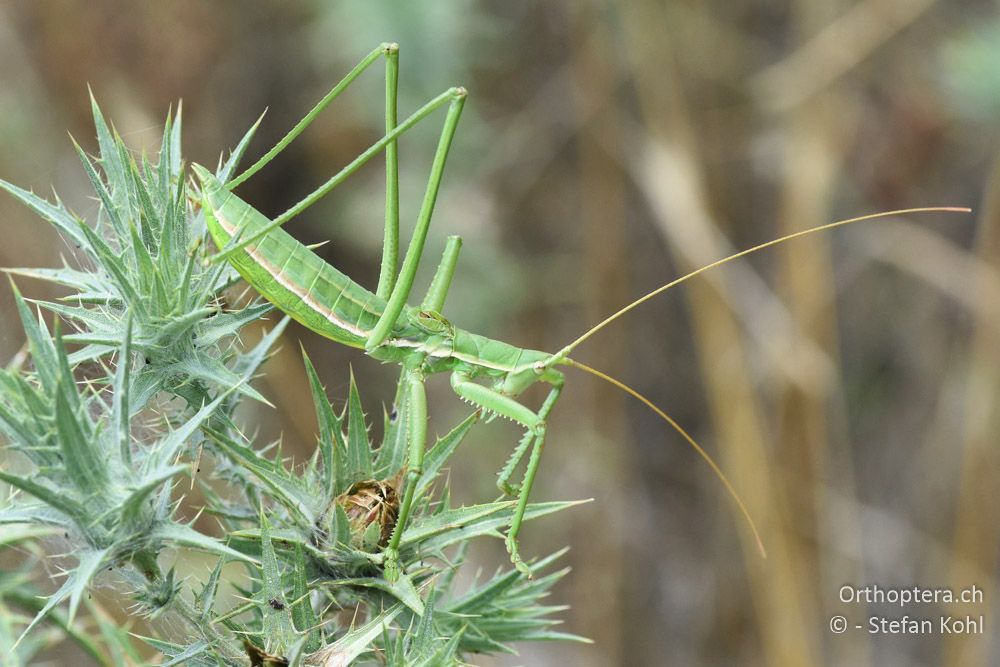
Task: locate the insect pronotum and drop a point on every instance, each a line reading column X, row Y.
column 418, row 338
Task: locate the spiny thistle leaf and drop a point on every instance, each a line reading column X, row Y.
column 121, row 418
column 303, row 614
column 225, row 172
column 171, row 444
column 192, row 655
column 403, row 589
column 186, row 536
column 84, row 460
column 424, row 644
column 34, row 513
column 39, row 342
column 225, row 325
column 356, row 642
column 109, row 208
column 82, row 281
column 111, row 161
column 58, row 500
column 76, row 583
column 13, row 534
column 282, row 485
column 449, row 526
column 21, row 652
column 132, row 505
column 206, row 598
column 359, row 449
column 63, row 220
column 446, row 655
column 506, row 610
column 331, row 439
column 395, row 447
column 278, row 632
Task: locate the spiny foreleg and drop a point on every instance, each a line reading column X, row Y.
column 535, row 423
column 507, row 472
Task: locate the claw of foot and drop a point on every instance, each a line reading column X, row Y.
column 508, row 489
column 515, row 557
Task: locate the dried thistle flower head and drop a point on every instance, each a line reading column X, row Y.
column 372, row 507
column 261, row 658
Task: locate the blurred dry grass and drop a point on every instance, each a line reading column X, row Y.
column 848, row 382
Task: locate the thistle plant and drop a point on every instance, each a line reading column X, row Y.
column 107, row 415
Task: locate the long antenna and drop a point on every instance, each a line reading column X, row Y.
column 691, row 441
column 840, row 223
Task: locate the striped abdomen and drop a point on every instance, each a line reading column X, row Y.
column 288, row 274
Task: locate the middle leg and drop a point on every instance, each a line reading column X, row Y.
column 416, row 421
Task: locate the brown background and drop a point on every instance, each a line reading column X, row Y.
column 847, row 382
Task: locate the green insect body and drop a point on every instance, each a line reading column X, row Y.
column 323, row 299
column 418, row 338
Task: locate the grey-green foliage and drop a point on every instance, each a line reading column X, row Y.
column 142, row 263
column 96, row 448
column 142, row 305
